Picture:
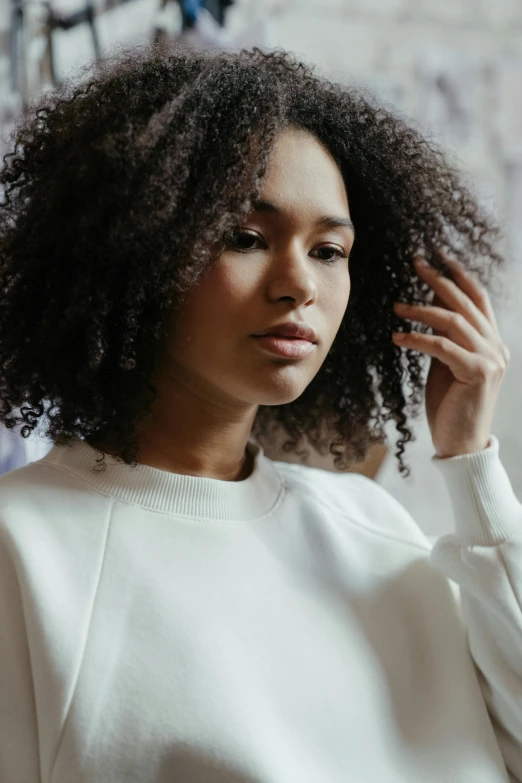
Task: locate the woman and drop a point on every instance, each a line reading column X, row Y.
column 200, row 253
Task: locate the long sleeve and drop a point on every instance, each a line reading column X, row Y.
column 484, row 558
column 19, row 759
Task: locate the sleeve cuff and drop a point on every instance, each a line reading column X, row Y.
column 487, row 511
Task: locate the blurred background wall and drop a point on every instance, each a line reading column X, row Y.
column 454, row 67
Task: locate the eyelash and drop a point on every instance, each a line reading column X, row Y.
column 230, row 243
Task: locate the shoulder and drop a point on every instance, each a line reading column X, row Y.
column 38, row 500
column 33, row 483
column 356, row 497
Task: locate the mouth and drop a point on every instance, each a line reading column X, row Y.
column 286, row 347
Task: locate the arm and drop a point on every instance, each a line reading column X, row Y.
column 484, row 557
column 19, row 757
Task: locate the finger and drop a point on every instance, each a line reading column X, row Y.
column 469, row 368
column 449, row 323
column 496, row 342
column 473, row 288
column 455, row 299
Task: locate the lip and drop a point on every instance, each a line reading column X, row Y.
column 290, row 330
column 286, row 347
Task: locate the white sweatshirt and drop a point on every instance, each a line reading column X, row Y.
column 294, row 627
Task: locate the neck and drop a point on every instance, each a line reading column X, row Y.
column 189, row 433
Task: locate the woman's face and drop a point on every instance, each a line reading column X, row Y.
column 287, row 263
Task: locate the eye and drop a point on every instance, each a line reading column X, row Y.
column 243, row 241
column 338, row 253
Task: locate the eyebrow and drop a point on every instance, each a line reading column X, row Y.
column 330, row 221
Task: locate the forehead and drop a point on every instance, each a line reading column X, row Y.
column 302, row 172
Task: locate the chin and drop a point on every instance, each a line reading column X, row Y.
column 281, row 391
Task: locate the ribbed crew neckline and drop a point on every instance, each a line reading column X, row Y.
column 174, row 493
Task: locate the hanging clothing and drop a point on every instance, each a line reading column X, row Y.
column 191, row 9
column 293, row 626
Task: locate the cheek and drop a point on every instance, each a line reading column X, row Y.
column 224, row 294
column 214, row 306
column 336, row 298
column 235, row 277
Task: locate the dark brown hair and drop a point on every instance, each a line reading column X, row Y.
column 120, row 189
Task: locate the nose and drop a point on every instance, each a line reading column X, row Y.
column 291, row 277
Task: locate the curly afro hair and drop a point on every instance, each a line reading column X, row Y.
column 121, row 190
